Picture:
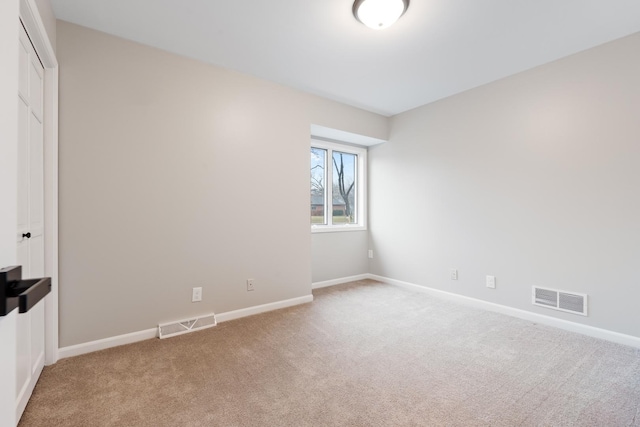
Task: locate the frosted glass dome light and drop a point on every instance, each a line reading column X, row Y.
column 379, row 14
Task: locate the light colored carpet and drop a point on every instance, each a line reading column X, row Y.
column 362, row 354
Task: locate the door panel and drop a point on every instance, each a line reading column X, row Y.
column 36, row 255
column 24, row 348
column 36, row 86
column 37, row 337
column 23, row 64
column 23, row 167
column 36, row 173
column 36, row 193
column 30, row 340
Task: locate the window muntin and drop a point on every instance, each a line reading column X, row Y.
column 338, row 187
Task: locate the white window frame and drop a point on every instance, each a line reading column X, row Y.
column 361, row 187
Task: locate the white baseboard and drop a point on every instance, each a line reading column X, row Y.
column 245, row 312
column 591, row 331
column 326, row 283
column 89, row 347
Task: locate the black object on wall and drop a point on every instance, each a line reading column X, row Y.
column 16, row 292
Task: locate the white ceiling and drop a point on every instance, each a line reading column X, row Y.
column 438, row 48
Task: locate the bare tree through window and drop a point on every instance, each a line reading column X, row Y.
column 344, row 182
column 318, row 179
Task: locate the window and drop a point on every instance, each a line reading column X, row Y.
column 338, row 187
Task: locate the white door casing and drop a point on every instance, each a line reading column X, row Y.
column 30, row 333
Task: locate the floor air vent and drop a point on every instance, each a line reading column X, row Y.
column 180, row 327
column 560, row 300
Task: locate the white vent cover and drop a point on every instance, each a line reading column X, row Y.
column 166, row 330
column 570, row 302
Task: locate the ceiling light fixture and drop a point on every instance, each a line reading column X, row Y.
column 379, row 14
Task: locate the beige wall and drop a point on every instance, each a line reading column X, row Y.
column 169, row 169
column 339, row 255
column 533, row 179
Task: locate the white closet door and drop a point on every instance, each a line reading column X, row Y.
column 30, row 238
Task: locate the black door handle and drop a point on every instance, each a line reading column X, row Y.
column 27, row 235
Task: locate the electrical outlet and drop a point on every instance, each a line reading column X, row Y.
column 370, row 253
column 196, row 294
column 250, row 286
column 491, row 282
column 454, row 274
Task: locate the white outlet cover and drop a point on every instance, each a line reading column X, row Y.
column 491, row 282
column 370, row 253
column 196, row 295
column 454, row 274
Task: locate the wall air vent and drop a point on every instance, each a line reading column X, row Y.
column 569, row 302
column 172, row 329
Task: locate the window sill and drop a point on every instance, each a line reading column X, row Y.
column 337, row 228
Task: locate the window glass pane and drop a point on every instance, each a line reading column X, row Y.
column 344, row 188
column 318, row 167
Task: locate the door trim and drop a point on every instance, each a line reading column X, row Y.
column 32, row 22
